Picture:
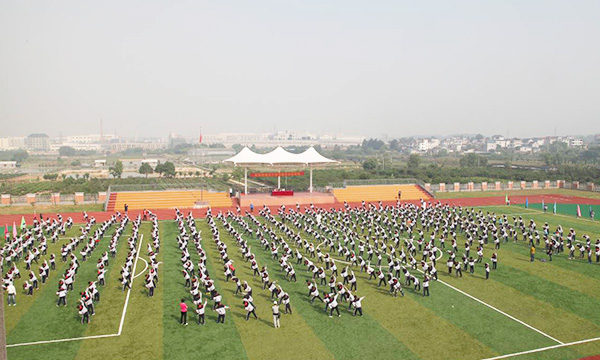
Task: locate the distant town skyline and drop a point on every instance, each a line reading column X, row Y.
column 97, row 143
column 360, row 68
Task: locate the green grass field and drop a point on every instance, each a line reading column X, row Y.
column 565, row 209
column 524, row 306
column 493, row 193
column 49, row 209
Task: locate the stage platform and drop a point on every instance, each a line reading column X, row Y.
column 302, row 198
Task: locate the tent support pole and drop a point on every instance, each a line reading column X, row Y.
column 245, row 181
column 310, row 188
column 279, row 180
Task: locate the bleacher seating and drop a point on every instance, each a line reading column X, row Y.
column 370, row 193
column 137, row 200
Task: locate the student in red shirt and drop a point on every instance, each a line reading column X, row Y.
column 183, row 306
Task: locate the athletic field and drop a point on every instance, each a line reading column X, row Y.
column 540, row 310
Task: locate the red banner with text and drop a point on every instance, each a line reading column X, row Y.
column 277, row 174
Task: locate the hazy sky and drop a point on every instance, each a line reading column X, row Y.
column 356, row 67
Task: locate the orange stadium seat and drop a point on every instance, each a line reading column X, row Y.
column 137, row 200
column 370, row 193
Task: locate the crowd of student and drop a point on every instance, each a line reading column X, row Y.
column 194, row 278
column 277, row 293
column 30, row 246
column 396, row 247
column 371, row 232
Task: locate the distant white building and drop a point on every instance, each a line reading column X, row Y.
column 37, row 142
column 151, row 162
column 56, row 145
column 8, row 165
column 135, row 163
column 424, row 145
column 515, row 143
column 12, row 143
column 575, row 142
column 100, row 163
column 90, row 138
column 525, row 149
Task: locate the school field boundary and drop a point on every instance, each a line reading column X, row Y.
column 94, row 336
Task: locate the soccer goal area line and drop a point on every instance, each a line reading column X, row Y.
column 561, row 345
column 118, row 333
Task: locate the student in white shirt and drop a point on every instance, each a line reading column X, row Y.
column 249, row 310
column 12, row 294
column 221, row 311
column 200, row 312
column 358, row 306
column 276, row 314
column 333, row 305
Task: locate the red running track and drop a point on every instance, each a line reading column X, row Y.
column 167, row 214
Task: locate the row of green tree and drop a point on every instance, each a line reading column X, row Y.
column 166, row 169
column 14, row 155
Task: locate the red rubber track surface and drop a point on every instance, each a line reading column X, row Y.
column 167, row 214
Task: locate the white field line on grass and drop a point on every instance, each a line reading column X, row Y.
column 544, row 349
column 62, row 340
column 94, row 336
column 500, row 311
column 488, row 305
column 141, row 272
column 130, row 285
column 541, row 212
column 481, row 302
column 75, row 237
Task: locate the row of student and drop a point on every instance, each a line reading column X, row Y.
column 30, row 245
column 91, row 294
column 279, row 296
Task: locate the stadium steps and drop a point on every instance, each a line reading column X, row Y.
column 170, row 199
column 370, row 193
column 110, row 206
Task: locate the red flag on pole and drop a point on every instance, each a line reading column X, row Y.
column 578, row 211
column 6, row 232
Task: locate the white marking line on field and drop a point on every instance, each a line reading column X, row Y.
column 500, row 311
column 93, row 336
column 75, row 237
column 541, row 212
column 131, row 285
column 144, row 260
column 483, row 303
column 62, row 340
column 544, row 349
column 486, row 304
column 141, row 272
column 515, row 214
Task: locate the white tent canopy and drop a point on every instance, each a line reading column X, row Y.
column 278, row 157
